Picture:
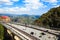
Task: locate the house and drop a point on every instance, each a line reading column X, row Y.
column 5, row 19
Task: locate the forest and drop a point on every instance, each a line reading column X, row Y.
column 51, row 19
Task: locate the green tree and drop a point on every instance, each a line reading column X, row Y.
column 1, row 32
column 51, row 18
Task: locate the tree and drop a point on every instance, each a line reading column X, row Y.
column 51, row 18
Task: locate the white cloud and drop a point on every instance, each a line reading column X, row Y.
column 33, row 4
column 8, row 2
column 14, row 10
column 15, row 0
column 56, row 6
column 50, row 1
column 4, row 0
column 2, row 10
column 29, row 5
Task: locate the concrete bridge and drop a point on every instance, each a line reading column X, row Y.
column 10, row 35
column 18, row 32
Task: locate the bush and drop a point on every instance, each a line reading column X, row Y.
column 1, row 32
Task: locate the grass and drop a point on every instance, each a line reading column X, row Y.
column 1, row 32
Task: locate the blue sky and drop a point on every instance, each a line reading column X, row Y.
column 31, row 7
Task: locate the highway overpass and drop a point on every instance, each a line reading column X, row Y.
column 31, row 33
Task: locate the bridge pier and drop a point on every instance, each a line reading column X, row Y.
column 8, row 35
column 16, row 38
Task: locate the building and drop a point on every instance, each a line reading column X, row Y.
column 5, row 19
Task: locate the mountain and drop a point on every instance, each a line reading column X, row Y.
column 25, row 15
column 23, row 18
column 1, row 14
column 17, row 15
column 49, row 19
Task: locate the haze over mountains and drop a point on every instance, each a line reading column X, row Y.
column 24, row 18
column 18, row 15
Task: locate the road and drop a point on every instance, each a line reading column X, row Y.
column 20, row 32
column 37, row 32
column 55, row 32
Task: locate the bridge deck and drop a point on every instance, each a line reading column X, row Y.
column 29, row 37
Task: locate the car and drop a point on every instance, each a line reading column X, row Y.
column 46, row 31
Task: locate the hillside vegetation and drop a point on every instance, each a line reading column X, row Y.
column 27, row 19
column 50, row 19
column 1, row 32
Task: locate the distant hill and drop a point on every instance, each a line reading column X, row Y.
column 28, row 19
column 1, row 14
column 23, row 18
column 15, row 15
column 49, row 19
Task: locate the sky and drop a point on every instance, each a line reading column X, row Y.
column 31, row 7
